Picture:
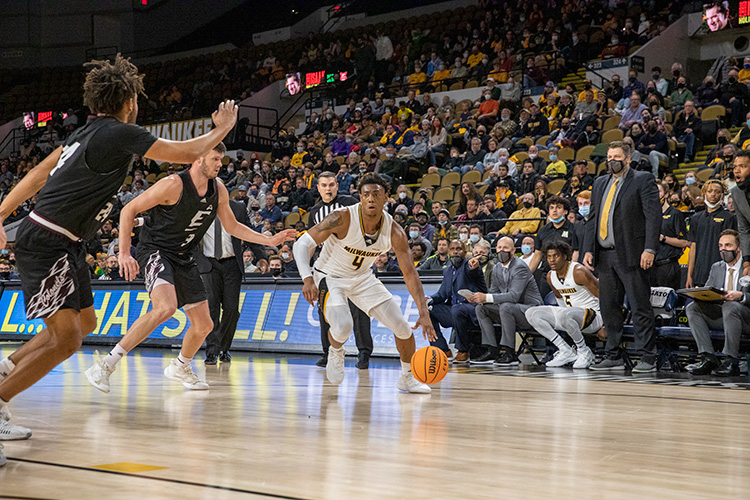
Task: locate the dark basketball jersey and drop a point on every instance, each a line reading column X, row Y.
column 78, row 195
column 178, row 228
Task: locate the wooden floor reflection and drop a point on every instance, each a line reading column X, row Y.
column 272, row 427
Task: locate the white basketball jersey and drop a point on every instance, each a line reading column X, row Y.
column 573, row 294
column 352, row 257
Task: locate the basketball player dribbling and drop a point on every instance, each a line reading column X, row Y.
column 182, row 206
column 78, row 182
column 355, row 236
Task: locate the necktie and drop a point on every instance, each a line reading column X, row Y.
column 730, row 286
column 607, row 208
column 218, row 240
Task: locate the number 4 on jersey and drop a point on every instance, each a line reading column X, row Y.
column 67, row 152
column 358, row 261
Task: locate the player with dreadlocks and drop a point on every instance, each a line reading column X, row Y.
column 78, row 182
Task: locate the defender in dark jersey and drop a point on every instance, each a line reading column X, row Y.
column 78, row 182
column 182, row 208
column 330, row 200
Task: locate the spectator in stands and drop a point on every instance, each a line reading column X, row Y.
column 415, row 236
column 614, row 49
column 340, row 146
column 706, row 94
column 289, row 266
column 633, row 114
column 418, row 252
column 586, row 108
column 426, row 230
column 528, row 178
column 487, row 112
column 7, row 274
column 492, row 215
column 444, row 228
column 344, row 179
column 685, row 129
column 440, row 259
column 653, row 146
column 672, row 242
column 476, row 237
column 523, row 227
column 271, row 211
column 734, row 95
column 459, row 70
column 614, row 89
column 472, row 156
column 680, row 95
column 556, row 168
column 510, row 94
column 558, row 228
column 633, row 86
column 451, row 310
column 538, row 124
column 112, row 271
column 513, row 290
column 732, row 316
column 301, row 197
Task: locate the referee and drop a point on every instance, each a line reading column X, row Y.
column 330, row 201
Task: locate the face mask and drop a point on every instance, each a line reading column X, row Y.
column 722, row 140
column 285, row 256
column 575, row 39
column 558, row 220
column 526, row 204
column 615, row 41
column 442, row 223
column 441, row 67
column 456, row 261
column 680, row 85
column 300, row 149
column 632, row 79
column 413, row 234
column 458, row 64
column 732, row 79
column 474, row 238
column 483, row 260
column 532, row 155
column 388, row 155
column 348, row 141
column 655, row 77
column 748, row 123
column 463, row 236
column 485, row 61
column 728, row 255
column 526, row 249
column 584, row 210
column 616, row 166
column 689, row 180
column 504, row 118
column 503, row 160
column 552, row 157
column 643, row 18
column 522, row 18
column 651, row 90
column 504, row 256
column 713, row 206
column 402, row 195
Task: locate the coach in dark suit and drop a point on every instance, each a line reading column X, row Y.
column 623, row 235
column 741, row 197
column 222, row 270
column 732, row 315
column 451, row 310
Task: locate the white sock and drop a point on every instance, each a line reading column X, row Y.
column 183, row 360
column 560, row 343
column 6, row 366
column 115, row 355
column 405, row 367
column 581, row 344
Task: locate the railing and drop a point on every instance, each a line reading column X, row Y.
column 254, row 133
column 11, row 140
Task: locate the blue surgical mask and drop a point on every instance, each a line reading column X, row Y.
column 558, row 220
column 584, row 210
column 474, row 238
column 348, row 140
column 552, row 157
column 300, row 149
column 526, row 249
column 748, row 124
column 689, row 180
column 388, row 155
column 413, row 234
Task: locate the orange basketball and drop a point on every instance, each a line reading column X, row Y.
column 429, row 365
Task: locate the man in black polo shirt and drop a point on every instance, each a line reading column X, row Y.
column 558, row 227
column 705, row 230
column 672, row 242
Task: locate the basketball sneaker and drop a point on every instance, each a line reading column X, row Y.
column 11, row 432
column 335, row 365
column 585, row 358
column 184, row 374
column 99, row 373
column 408, row 383
column 562, row 357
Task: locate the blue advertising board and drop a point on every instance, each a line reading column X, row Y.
column 272, row 317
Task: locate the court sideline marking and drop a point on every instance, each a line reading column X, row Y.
column 163, row 479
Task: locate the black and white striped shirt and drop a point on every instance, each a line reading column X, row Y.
column 321, row 209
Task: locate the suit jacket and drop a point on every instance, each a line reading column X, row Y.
column 458, row 279
column 718, row 275
column 637, row 217
column 742, row 211
column 519, row 288
column 240, row 213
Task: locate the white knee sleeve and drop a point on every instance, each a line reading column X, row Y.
column 340, row 319
column 389, row 314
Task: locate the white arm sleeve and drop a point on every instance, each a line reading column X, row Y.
column 303, row 250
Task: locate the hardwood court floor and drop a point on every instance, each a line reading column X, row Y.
column 272, row 427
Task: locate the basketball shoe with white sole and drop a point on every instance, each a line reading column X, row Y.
column 585, row 358
column 11, row 432
column 408, row 383
column 185, row 375
column 98, row 375
column 335, row 365
column 562, row 357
